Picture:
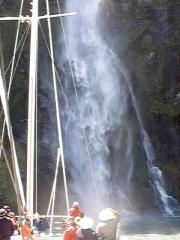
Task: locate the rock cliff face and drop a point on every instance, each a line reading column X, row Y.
column 145, row 35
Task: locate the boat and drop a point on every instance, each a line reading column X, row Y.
column 26, row 202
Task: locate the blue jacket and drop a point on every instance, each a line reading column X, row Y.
column 86, row 234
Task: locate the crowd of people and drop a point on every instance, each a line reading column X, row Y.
column 77, row 226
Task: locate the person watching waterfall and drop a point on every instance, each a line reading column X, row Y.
column 108, row 227
column 75, row 211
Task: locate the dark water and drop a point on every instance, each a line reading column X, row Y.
column 151, row 227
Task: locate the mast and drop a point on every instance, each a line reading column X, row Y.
column 31, row 108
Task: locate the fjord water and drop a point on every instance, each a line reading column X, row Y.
column 102, row 107
column 150, row 227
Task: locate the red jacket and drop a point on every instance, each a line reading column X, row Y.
column 70, row 233
column 26, row 231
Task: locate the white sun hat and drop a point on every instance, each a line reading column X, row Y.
column 86, row 222
column 107, row 214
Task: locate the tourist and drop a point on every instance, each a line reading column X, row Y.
column 11, row 216
column 9, row 213
column 42, row 225
column 108, row 225
column 75, row 211
column 26, row 231
column 6, row 226
column 85, row 231
column 70, row 230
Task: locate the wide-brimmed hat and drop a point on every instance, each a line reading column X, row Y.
column 107, row 214
column 2, row 212
column 86, row 222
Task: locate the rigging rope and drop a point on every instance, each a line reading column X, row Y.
column 19, row 55
column 79, row 109
column 9, row 167
column 9, row 87
column 25, row 31
column 15, row 47
column 17, row 178
column 53, row 196
column 45, row 40
column 57, row 105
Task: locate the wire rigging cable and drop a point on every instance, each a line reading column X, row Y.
column 18, row 45
column 45, row 40
column 17, row 177
column 9, row 167
column 57, row 105
column 15, row 47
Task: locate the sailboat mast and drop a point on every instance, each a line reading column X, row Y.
column 31, row 109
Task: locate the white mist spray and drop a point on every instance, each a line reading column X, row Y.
column 102, row 98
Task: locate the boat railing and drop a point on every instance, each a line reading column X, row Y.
column 57, row 224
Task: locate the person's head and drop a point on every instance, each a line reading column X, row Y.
column 7, row 208
column 2, row 213
column 75, row 205
column 107, row 214
column 86, row 223
column 36, row 216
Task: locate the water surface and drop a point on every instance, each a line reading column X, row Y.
column 151, row 227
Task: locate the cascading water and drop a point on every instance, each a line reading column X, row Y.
column 168, row 204
column 102, row 100
column 105, row 177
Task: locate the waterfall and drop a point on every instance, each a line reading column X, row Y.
column 101, row 111
column 102, row 99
